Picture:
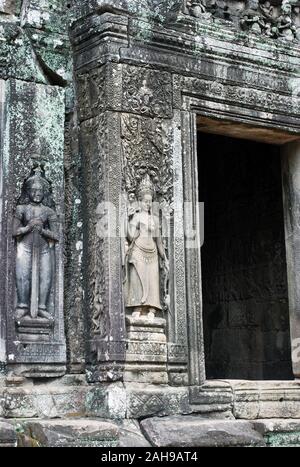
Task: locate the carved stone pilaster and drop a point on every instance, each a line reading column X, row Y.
column 102, row 268
column 148, row 147
column 129, row 145
column 3, row 256
column 33, row 137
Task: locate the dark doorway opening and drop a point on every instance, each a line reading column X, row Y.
column 244, row 278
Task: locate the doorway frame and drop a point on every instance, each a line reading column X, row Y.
column 193, row 107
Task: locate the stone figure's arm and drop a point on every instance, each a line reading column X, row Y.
column 133, row 229
column 160, row 247
column 18, row 229
column 51, row 233
column 159, row 242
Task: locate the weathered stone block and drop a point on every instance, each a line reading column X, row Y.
column 51, row 15
column 68, row 432
column 145, row 400
column 72, row 433
column 130, row 435
column 190, row 431
column 8, row 437
column 17, row 60
column 56, row 399
column 266, row 399
column 107, row 400
column 278, row 432
column 152, row 9
column 213, row 399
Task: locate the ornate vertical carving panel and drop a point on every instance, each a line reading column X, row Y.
column 102, row 252
column 193, row 256
column 73, row 296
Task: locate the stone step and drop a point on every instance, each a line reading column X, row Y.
column 193, row 431
column 82, row 432
column 171, row 431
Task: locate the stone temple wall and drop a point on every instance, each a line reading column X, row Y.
column 36, row 73
column 101, row 335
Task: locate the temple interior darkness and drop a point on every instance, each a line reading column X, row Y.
column 244, row 278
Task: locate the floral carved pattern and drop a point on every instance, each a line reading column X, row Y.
column 94, row 172
column 140, row 92
column 91, row 92
column 147, row 149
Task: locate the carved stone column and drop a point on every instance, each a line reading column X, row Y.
column 129, row 131
column 100, row 137
column 32, row 228
column 291, row 195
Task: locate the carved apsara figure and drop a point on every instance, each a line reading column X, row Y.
column 285, row 24
column 196, row 7
column 252, row 18
column 35, row 232
column 267, row 10
column 145, row 246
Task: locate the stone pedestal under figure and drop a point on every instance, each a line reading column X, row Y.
column 34, row 229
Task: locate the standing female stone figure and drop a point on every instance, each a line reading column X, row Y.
column 34, row 230
column 285, row 25
column 145, row 247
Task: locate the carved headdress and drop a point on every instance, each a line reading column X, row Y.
column 37, row 176
column 146, row 187
column 286, row 6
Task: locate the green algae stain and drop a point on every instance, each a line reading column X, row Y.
column 291, row 439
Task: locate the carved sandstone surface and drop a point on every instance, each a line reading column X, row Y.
column 192, row 431
column 269, row 18
column 144, row 244
column 8, row 436
column 35, row 233
column 263, row 17
column 34, row 41
column 143, row 69
column 160, row 10
column 33, row 138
